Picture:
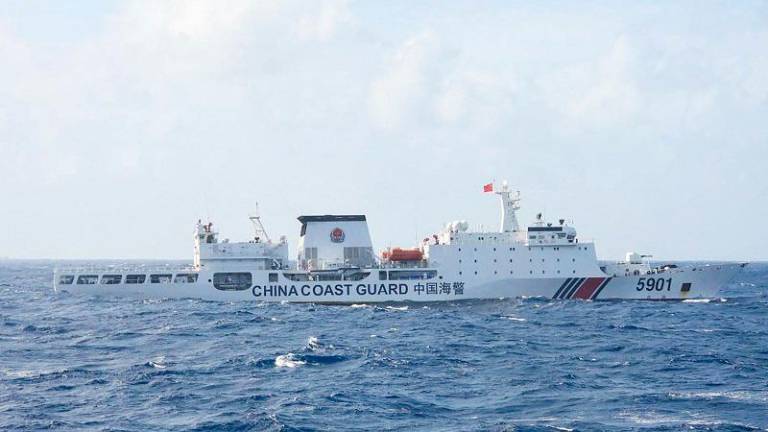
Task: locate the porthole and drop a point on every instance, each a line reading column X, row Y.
column 475, row 260
column 460, row 273
column 542, row 260
column 574, row 272
column 530, row 271
column 475, row 271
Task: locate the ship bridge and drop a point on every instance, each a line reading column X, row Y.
column 261, row 253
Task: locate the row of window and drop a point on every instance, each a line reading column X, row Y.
column 407, row 274
column 513, row 272
column 529, row 260
column 512, row 249
column 115, row 279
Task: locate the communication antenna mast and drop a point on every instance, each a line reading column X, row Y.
column 510, row 204
column 259, row 232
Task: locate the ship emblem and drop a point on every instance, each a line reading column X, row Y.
column 337, row 235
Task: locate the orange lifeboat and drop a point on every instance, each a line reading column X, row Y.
column 399, row 254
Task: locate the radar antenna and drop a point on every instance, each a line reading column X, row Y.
column 260, row 233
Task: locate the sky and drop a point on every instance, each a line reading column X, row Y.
column 124, row 122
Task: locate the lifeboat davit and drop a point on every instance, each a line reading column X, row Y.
column 399, row 254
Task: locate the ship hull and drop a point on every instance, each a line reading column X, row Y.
column 680, row 284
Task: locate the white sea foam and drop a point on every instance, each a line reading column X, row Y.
column 313, row 343
column 514, row 318
column 697, row 300
column 158, row 362
column 398, row 308
column 18, row 374
column 355, row 305
column 753, row 396
column 288, row 361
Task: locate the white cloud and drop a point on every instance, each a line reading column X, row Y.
column 396, row 94
column 324, row 19
column 601, row 92
column 161, row 100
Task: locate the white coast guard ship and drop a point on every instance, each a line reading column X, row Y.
column 336, row 264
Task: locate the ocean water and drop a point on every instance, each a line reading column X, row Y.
column 78, row 363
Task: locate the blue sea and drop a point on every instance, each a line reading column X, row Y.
column 78, row 363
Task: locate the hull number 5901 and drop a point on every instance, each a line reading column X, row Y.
column 650, row 284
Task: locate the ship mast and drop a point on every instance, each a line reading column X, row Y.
column 509, row 205
column 260, row 234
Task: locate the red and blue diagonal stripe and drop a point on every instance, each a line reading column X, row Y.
column 581, row 288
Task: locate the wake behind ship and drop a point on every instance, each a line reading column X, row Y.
column 336, row 263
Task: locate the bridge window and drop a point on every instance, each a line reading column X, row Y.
column 160, row 278
column 232, row 281
column 135, row 278
column 273, row 277
column 111, row 279
column 87, row 279
column 66, row 279
column 185, row 278
column 383, row 274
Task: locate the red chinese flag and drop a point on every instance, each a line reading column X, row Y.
column 488, row 187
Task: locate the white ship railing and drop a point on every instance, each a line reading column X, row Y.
column 126, row 268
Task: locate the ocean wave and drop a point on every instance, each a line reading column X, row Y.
column 75, row 363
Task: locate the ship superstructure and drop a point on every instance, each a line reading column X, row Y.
column 336, row 263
